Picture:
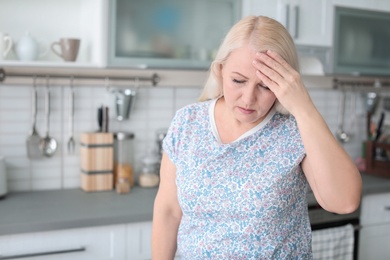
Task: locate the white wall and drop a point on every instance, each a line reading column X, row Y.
column 154, row 109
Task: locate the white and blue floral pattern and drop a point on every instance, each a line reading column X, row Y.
column 243, row 200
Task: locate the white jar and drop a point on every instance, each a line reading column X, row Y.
column 149, row 176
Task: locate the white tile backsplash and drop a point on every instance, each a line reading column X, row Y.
column 153, row 109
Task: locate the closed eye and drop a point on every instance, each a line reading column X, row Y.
column 264, row 87
column 238, row 81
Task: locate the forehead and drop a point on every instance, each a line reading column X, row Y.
column 241, row 59
column 241, row 55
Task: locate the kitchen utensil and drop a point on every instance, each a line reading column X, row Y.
column 371, row 100
column 3, row 178
column 379, row 128
column 71, row 141
column 341, row 135
column 6, row 44
column 124, row 103
column 102, row 117
column 353, row 111
column 48, row 145
column 33, row 140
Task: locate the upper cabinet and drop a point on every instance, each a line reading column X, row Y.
column 176, row 34
column 309, row 22
column 46, row 22
column 164, row 34
column 168, row 34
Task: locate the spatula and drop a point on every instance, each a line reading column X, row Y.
column 33, row 140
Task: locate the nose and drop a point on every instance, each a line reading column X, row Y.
column 248, row 95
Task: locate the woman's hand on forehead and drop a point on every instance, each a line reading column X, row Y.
column 282, row 79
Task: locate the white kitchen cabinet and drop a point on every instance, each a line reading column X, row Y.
column 48, row 21
column 139, row 239
column 84, row 243
column 374, row 236
column 377, row 5
column 309, row 22
column 138, row 244
column 168, row 34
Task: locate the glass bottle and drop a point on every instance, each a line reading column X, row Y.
column 123, row 161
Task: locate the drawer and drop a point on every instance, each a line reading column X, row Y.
column 84, row 243
column 375, row 209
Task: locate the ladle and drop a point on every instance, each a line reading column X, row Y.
column 341, row 135
column 48, row 145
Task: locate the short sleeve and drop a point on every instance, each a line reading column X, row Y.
column 171, row 140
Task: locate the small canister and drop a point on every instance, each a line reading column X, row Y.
column 123, row 161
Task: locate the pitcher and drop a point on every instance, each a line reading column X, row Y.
column 6, row 44
column 27, row 48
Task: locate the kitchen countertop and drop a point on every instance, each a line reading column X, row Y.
column 37, row 211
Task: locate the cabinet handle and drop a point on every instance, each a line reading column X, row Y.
column 295, row 32
column 387, row 208
column 81, row 249
column 287, row 16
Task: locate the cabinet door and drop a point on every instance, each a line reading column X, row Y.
column 139, row 238
column 374, row 242
column 309, row 22
column 168, row 34
column 375, row 209
column 86, row 243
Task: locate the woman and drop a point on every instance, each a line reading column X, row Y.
column 237, row 165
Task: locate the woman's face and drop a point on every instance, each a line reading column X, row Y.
column 245, row 96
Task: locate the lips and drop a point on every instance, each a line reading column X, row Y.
column 246, row 111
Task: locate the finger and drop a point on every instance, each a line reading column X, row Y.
column 279, row 59
column 272, row 85
column 269, row 72
column 273, row 63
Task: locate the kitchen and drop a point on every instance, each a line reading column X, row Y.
column 45, row 205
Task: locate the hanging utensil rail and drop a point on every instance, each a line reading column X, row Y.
column 154, row 79
column 361, row 85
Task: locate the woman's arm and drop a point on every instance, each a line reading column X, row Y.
column 332, row 175
column 166, row 214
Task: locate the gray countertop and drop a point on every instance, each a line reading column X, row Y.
column 23, row 212
column 36, row 211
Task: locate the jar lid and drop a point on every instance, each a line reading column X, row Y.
column 123, row 135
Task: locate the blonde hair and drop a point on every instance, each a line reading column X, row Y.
column 261, row 33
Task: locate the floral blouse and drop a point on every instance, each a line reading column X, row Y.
column 241, row 200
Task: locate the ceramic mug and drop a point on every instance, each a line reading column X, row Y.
column 5, row 45
column 69, row 48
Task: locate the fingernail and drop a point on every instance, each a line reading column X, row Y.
column 255, row 62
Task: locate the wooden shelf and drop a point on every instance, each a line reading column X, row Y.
column 374, row 166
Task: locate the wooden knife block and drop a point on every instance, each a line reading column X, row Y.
column 373, row 166
column 97, row 161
